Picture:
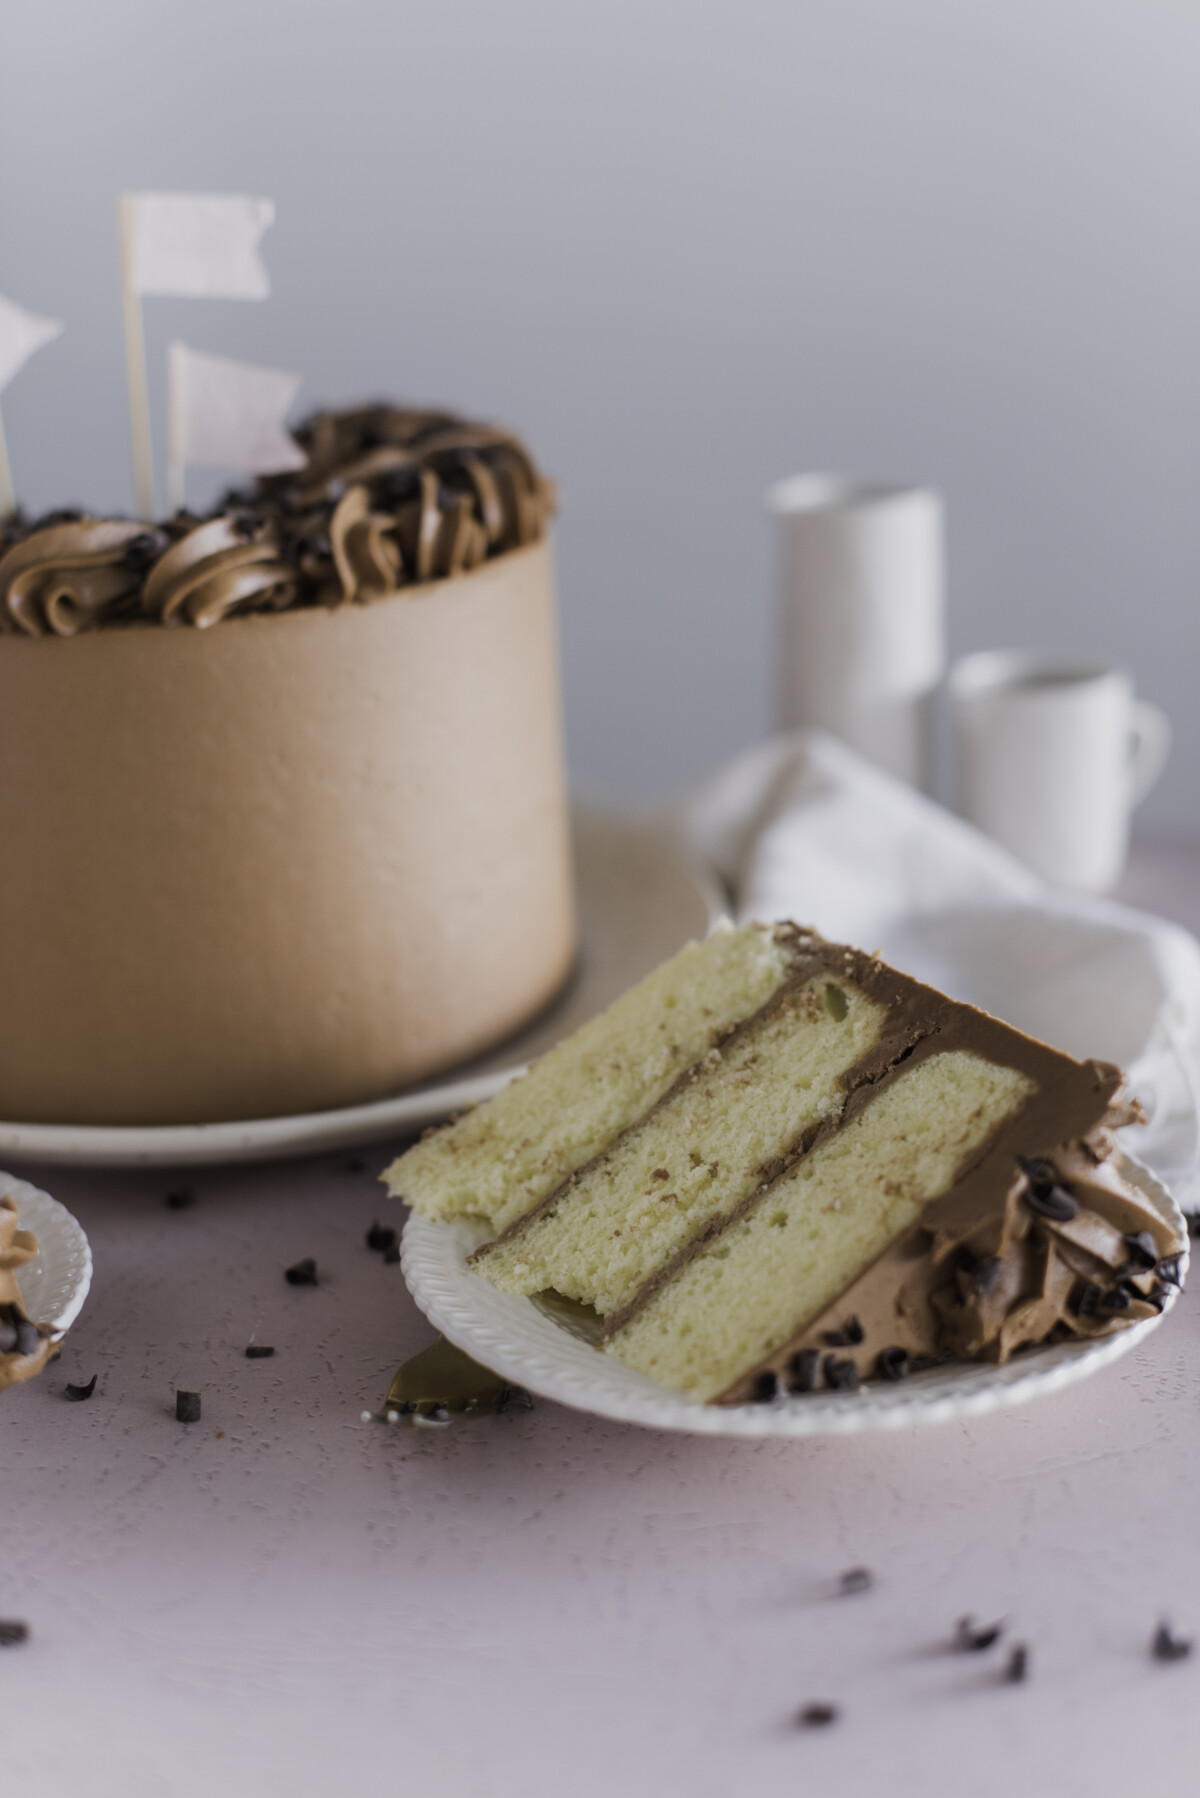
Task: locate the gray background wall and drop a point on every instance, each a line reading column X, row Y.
column 687, row 249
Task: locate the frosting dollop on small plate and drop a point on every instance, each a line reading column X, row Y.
column 514, row 1338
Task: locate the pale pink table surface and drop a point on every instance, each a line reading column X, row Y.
column 282, row 1599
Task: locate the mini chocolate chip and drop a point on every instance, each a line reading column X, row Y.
column 302, row 1273
column 12, row 1632
column 847, row 1335
column 1168, row 1270
column 892, row 1364
column 1117, row 1299
column 1166, row 1646
column 187, row 1407
column 804, row 1371
column 380, row 1236
column 986, row 1273
column 1017, row 1670
column 258, row 1351
column 391, row 1256
column 181, row 1201
column 1054, row 1202
column 81, row 1392
column 29, row 1337
column 766, row 1385
column 855, row 1579
column 969, row 1640
column 8, row 1338
column 840, row 1376
column 1143, row 1250
column 816, row 1716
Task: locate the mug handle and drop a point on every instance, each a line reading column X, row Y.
column 1150, row 747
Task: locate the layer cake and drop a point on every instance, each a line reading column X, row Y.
column 284, row 813
column 778, row 1162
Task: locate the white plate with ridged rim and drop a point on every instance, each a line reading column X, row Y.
column 512, row 1337
column 639, row 902
column 56, row 1282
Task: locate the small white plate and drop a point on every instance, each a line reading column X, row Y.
column 638, row 903
column 512, row 1337
column 55, row 1283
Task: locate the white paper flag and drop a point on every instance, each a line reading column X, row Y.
column 197, row 246
column 22, row 334
column 227, row 414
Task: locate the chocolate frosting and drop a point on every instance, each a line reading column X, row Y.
column 25, row 1347
column 388, row 498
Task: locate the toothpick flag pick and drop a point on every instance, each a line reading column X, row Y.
column 193, row 246
column 197, row 246
column 22, row 334
column 224, row 414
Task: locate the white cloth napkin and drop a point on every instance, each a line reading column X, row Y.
column 801, row 827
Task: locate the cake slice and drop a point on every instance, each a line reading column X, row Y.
column 779, row 1162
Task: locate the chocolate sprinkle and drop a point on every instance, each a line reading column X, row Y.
column 182, row 1200
column 515, row 1398
column 258, row 1351
column 302, row 1273
column 1055, row 1203
column 187, row 1407
column 804, row 1371
column 855, row 1579
column 1086, row 1301
column 849, row 1335
column 892, row 1364
column 969, row 1640
column 380, row 1237
column 840, row 1376
column 79, row 1393
column 1017, row 1670
column 816, row 1716
column 12, row 1632
column 1169, row 1647
column 1143, row 1251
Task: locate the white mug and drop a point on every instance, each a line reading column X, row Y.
column 863, row 633
column 1052, row 756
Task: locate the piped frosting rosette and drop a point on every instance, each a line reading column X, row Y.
column 388, row 499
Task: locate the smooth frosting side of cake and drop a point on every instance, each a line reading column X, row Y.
column 25, row 1346
column 745, row 1294
column 501, row 1161
column 693, row 1159
column 289, row 864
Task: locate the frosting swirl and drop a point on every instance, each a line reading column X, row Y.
column 388, row 498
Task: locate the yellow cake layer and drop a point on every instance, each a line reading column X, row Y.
column 768, row 1275
column 698, row 1156
column 500, row 1161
